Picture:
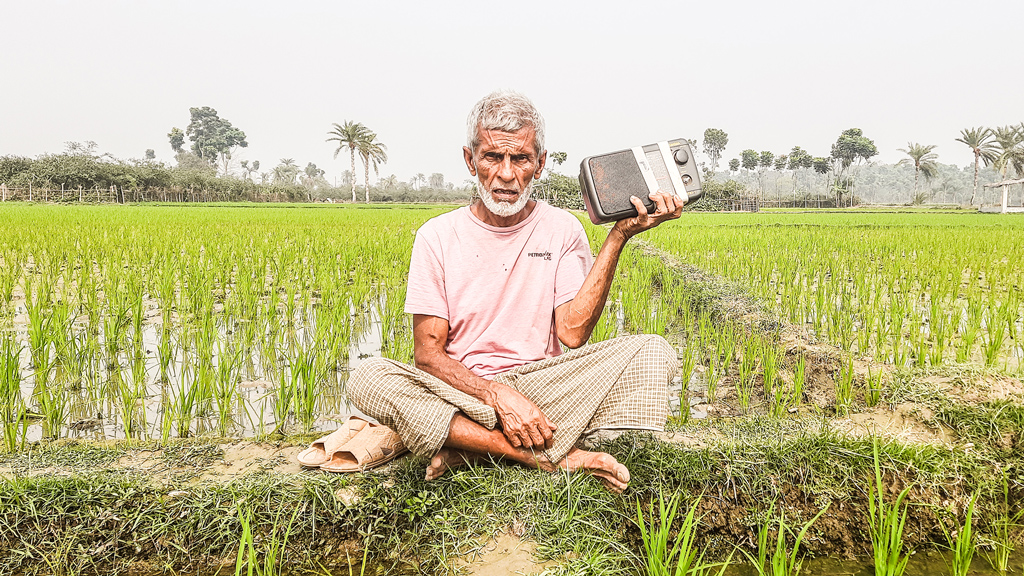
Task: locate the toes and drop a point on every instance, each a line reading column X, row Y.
column 610, row 481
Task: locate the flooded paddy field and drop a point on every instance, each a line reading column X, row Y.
column 160, row 367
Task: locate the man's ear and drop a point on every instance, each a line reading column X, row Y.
column 468, row 155
column 540, row 165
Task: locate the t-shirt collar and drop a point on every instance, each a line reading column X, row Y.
column 505, row 229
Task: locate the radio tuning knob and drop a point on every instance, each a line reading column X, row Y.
column 681, row 156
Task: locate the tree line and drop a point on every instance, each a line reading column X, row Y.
column 1002, row 148
column 205, row 168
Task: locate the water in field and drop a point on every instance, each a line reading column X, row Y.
column 922, row 563
column 95, row 414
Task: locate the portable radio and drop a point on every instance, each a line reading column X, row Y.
column 608, row 180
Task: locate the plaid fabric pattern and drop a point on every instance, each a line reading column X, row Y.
column 619, row 384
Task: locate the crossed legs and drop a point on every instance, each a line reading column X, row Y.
column 468, row 442
column 617, row 384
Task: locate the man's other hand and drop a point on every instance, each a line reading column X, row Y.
column 668, row 207
column 522, row 422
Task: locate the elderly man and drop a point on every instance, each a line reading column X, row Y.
column 496, row 289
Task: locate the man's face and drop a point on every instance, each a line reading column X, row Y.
column 505, row 164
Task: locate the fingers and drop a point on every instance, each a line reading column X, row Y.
column 536, row 438
column 641, row 211
column 660, row 202
column 513, row 438
column 549, row 438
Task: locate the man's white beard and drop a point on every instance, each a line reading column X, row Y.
column 504, row 209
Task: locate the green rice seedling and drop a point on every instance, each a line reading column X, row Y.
column 918, row 341
column 844, row 322
column 165, row 353
column 137, row 317
column 885, row 523
column 186, row 399
column 39, row 330
column 844, row 387
column 938, row 325
column 53, row 399
column 713, row 376
column 307, row 373
column 865, row 330
column 663, row 555
column 225, row 387
column 10, row 272
column 1004, row 523
column 994, row 335
column 283, row 395
column 962, row 542
column 745, row 383
column 799, row 372
column 774, row 390
column 780, row 560
column 269, row 561
column 971, row 330
column 256, row 417
column 819, row 308
column 897, row 316
column 12, row 405
column 605, row 329
column 130, row 392
column 687, row 362
column 873, row 392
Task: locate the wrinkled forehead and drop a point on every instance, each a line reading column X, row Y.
column 519, row 142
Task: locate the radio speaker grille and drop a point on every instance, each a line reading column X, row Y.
column 616, row 178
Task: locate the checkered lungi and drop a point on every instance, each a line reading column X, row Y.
column 615, row 384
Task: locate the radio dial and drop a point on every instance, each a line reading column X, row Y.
column 681, row 156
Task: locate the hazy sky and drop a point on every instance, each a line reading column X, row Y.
column 606, row 75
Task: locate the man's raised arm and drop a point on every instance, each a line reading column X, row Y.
column 575, row 320
column 523, row 424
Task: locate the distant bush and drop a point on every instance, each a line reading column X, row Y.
column 154, row 179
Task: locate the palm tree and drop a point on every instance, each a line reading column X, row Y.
column 980, row 142
column 389, row 182
column 286, row 171
column 348, row 134
column 373, row 153
column 923, row 159
column 1009, row 152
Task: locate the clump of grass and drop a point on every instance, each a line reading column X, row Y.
column 962, row 542
column 667, row 557
column 780, row 560
column 886, row 523
column 987, row 422
column 1004, row 522
column 269, row 561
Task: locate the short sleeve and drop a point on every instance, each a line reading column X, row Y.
column 425, row 293
column 573, row 267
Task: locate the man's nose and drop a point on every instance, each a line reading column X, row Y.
column 505, row 171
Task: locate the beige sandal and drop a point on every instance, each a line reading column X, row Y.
column 321, row 449
column 373, row 446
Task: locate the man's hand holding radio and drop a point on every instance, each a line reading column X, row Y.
column 668, row 207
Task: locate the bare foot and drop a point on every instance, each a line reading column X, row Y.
column 448, row 458
column 603, row 466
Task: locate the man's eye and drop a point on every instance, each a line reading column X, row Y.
column 520, row 158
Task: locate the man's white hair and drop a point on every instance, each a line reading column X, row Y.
column 507, row 111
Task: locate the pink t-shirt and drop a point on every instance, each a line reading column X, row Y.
column 498, row 287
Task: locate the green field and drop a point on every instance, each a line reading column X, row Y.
column 183, row 329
